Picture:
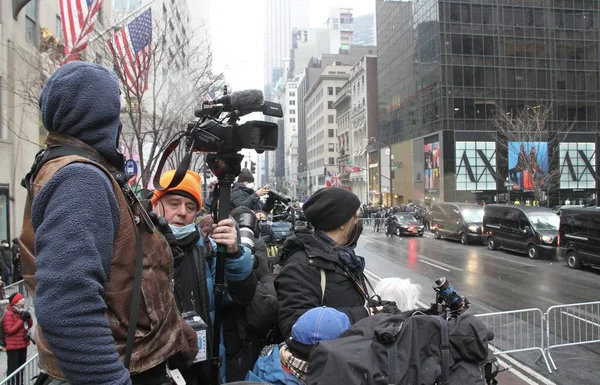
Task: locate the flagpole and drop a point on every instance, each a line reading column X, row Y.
column 123, row 22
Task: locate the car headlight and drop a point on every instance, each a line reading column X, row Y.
column 473, row 229
column 547, row 238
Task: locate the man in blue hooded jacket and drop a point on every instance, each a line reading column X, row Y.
column 195, row 268
column 80, row 238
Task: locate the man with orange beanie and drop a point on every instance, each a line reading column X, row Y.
column 195, row 268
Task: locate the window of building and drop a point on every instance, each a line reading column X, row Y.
column 292, row 112
column 330, row 119
column 337, row 90
column 292, row 120
column 331, row 161
column 292, row 94
column 330, row 90
column 331, row 133
column 31, row 22
column 329, row 104
column 292, row 102
column 331, row 147
column 59, row 31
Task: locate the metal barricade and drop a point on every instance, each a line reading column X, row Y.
column 517, row 331
column 573, row 324
column 26, row 374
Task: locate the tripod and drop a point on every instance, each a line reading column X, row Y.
column 226, row 168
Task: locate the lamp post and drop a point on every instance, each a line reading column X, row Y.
column 508, row 185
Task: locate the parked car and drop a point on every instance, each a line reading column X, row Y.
column 407, row 224
column 533, row 230
column 579, row 236
column 460, row 221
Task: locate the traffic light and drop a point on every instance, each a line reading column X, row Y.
column 252, row 167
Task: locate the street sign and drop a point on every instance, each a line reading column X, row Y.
column 131, row 167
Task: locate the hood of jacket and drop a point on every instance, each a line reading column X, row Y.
column 82, row 100
column 306, row 240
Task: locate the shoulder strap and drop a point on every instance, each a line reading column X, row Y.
column 445, row 350
column 46, row 155
column 136, row 297
column 323, row 283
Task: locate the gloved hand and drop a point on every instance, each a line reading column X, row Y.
column 26, row 316
column 186, row 356
column 162, row 225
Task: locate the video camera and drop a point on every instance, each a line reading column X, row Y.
column 210, row 134
column 448, row 300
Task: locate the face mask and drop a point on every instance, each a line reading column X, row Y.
column 19, row 309
column 250, row 185
column 355, row 234
column 183, row 231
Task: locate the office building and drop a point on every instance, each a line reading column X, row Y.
column 356, row 115
column 364, row 30
column 340, row 28
column 324, row 78
column 446, row 68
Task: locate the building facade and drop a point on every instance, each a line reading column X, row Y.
column 364, row 30
column 447, row 68
column 341, row 29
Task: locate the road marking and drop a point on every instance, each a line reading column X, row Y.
column 434, row 265
column 580, row 319
column 526, row 369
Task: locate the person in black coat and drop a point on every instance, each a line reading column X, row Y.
column 327, row 252
column 243, row 194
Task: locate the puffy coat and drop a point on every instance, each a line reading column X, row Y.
column 298, row 284
column 14, row 329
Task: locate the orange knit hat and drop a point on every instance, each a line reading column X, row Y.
column 191, row 185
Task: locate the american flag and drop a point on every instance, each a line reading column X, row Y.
column 333, row 179
column 78, row 18
column 131, row 47
column 210, row 95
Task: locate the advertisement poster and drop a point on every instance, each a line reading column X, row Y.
column 528, row 165
column 577, row 165
column 432, row 165
column 475, row 166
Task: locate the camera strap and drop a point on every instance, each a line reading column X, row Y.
column 181, row 169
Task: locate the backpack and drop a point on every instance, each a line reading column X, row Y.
column 405, row 349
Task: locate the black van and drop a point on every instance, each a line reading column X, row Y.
column 460, row 221
column 579, row 236
column 533, row 230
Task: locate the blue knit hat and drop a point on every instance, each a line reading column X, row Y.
column 318, row 324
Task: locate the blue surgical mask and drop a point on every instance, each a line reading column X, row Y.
column 181, row 232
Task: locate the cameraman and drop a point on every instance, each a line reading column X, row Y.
column 195, row 265
column 243, row 194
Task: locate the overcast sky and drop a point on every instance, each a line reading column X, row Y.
column 237, row 35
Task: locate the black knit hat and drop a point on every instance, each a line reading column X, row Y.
column 245, row 176
column 330, row 207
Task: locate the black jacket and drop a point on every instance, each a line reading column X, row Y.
column 298, row 284
column 244, row 196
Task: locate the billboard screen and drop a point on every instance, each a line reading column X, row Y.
column 433, row 159
column 577, row 165
column 528, row 165
column 475, row 166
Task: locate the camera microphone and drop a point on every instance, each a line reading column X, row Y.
column 241, row 100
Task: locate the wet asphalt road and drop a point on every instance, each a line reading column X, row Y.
column 494, row 281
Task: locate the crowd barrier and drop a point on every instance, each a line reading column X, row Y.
column 517, row 331
column 574, row 324
column 26, row 374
